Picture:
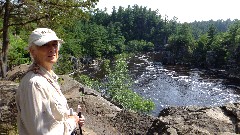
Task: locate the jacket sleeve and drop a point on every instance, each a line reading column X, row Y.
column 37, row 113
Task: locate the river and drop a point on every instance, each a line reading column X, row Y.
column 178, row 85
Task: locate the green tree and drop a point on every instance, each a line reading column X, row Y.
column 232, row 42
column 95, row 42
column 139, row 46
column 49, row 13
column 100, row 17
column 182, row 43
column 115, row 39
column 220, row 49
column 199, row 53
column 211, row 34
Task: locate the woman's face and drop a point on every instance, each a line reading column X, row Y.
column 45, row 55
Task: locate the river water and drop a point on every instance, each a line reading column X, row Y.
column 175, row 85
column 178, row 85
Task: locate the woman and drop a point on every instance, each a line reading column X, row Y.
column 42, row 108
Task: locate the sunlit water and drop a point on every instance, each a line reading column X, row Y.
column 177, row 86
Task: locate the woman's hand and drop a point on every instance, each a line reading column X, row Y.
column 75, row 117
column 81, row 120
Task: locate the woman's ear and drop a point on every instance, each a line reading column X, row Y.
column 32, row 50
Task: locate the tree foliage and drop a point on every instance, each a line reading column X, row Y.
column 130, row 29
column 17, row 54
column 42, row 13
column 139, row 46
column 182, row 43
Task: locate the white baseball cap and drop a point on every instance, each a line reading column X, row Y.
column 41, row 36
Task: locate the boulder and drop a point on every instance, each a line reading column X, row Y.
column 198, row 120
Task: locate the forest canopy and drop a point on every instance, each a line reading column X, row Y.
column 96, row 34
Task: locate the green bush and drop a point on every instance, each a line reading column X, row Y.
column 131, row 100
column 87, row 81
column 17, row 54
column 142, row 46
column 117, row 87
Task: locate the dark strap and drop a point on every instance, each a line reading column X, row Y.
column 36, row 69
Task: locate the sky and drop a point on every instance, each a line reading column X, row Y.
column 184, row 10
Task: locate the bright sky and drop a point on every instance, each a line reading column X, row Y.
column 184, row 10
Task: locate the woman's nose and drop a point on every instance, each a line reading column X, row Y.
column 52, row 48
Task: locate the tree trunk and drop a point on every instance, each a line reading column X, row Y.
column 5, row 40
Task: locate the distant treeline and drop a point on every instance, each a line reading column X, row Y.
column 201, row 27
column 138, row 29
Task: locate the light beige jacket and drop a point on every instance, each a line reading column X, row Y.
column 42, row 110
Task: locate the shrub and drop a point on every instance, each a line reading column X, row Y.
column 117, row 86
column 17, row 54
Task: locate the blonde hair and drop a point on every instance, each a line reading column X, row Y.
column 33, row 46
column 30, row 48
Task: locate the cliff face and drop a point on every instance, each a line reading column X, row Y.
column 102, row 117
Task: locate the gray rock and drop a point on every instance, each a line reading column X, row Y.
column 198, row 120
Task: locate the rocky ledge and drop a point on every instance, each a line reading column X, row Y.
column 104, row 118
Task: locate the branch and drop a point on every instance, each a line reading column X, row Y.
column 77, row 5
column 59, row 5
column 24, row 23
column 18, row 14
column 30, row 21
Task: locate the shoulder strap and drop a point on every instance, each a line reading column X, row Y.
column 36, row 69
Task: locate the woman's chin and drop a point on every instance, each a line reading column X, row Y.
column 52, row 59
